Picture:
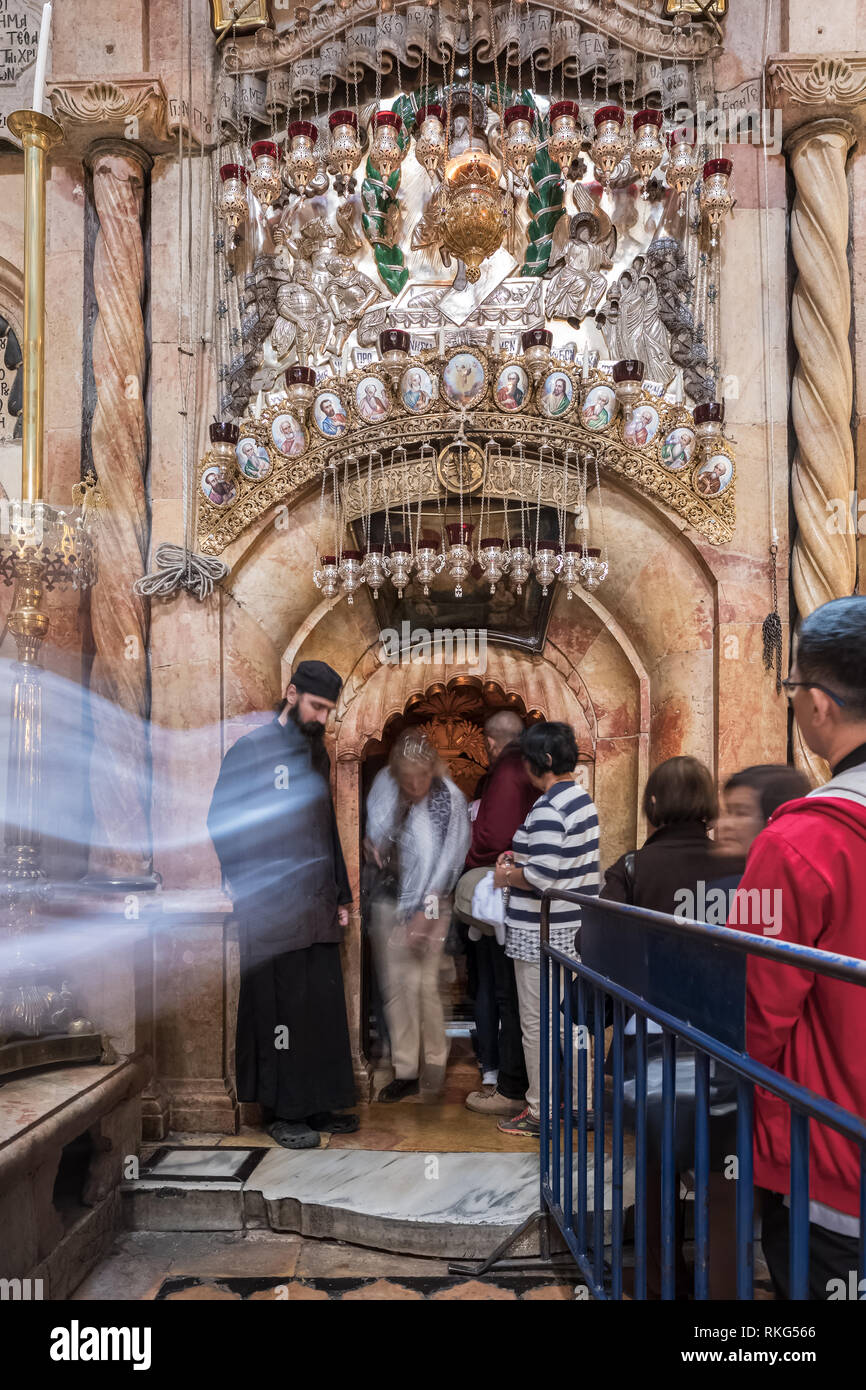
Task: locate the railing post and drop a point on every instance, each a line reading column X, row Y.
column 543, row 1072
column 702, row 1176
column 798, row 1216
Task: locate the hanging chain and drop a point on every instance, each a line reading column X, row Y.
column 499, row 97
column 450, row 94
column 538, row 505
column 321, row 518
column 771, row 629
column 378, row 49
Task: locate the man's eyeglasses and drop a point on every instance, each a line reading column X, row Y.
column 790, row 686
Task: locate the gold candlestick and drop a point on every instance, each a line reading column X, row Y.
column 38, row 134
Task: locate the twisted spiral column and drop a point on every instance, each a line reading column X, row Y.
column 119, row 442
column 824, row 562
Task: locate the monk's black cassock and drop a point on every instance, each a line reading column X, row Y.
column 273, row 825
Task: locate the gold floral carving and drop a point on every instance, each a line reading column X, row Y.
column 119, row 446
column 824, row 562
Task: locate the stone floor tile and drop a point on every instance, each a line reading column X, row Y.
column 474, row 1289
column 256, row 1255
column 200, row 1293
column 382, row 1290
column 122, row 1278
column 303, row 1293
column 331, row 1259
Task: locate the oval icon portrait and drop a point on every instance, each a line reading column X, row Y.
column 714, row 477
column 216, row 486
column 463, row 379
column 254, row 461
column 599, row 408
column 417, row 390
column 512, row 387
column 557, row 394
column 642, row 427
column 372, row 401
column 288, row 434
column 678, row 449
column 329, row 415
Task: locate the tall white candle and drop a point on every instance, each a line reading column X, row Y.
column 41, row 60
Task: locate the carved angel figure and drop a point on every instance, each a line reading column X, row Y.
column 577, row 285
column 350, row 294
column 665, row 261
column 322, row 298
column 632, row 324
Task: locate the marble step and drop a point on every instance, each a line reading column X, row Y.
column 451, row 1205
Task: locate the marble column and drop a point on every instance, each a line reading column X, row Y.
column 347, row 804
column 824, row 560
column 119, row 442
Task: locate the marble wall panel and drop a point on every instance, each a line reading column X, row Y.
column 273, row 579
column 342, row 636
column 618, row 789
column 744, row 39
column 857, row 179
column 682, row 705
column 252, row 680
column 744, row 341
column 753, row 719
column 111, row 41
column 186, row 737
column 836, row 28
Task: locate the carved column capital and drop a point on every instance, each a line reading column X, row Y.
column 131, row 109
column 811, row 87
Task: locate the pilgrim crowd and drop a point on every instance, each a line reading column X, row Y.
column 443, row 875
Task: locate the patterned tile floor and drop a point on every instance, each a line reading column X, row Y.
column 406, row 1288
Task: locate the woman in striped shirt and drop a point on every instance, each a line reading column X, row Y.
column 557, row 845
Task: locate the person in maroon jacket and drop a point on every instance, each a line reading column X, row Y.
column 808, row 872
column 506, row 797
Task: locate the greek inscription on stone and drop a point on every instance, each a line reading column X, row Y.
column 19, row 39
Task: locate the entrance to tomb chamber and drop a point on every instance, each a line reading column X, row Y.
column 452, row 713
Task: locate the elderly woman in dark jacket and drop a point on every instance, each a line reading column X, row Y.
column 680, row 804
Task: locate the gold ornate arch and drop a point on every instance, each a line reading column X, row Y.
column 408, row 446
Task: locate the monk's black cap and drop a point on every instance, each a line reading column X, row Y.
column 317, row 678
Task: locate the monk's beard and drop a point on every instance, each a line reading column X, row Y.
column 312, row 729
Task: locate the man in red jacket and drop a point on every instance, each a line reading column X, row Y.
column 806, row 1026
column 506, row 798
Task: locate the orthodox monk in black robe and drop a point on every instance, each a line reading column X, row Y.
column 273, row 825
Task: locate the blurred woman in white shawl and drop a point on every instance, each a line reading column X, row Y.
column 418, row 834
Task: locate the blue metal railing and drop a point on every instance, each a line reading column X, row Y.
column 714, row 958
